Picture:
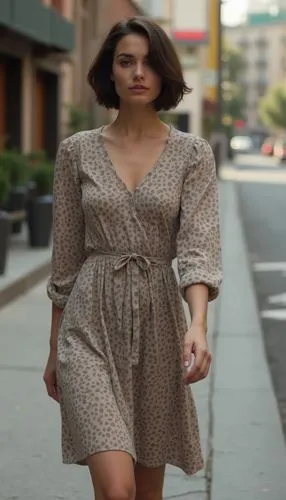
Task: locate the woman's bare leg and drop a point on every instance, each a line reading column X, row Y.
column 149, row 482
column 112, row 474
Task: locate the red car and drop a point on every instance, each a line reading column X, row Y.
column 267, row 147
column 280, row 150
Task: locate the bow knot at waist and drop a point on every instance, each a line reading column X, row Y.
column 143, row 263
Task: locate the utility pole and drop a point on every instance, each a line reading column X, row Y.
column 218, row 122
column 214, row 89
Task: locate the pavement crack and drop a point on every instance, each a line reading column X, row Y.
column 181, row 495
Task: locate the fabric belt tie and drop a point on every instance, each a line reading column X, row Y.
column 144, row 264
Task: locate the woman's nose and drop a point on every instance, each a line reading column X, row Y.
column 139, row 73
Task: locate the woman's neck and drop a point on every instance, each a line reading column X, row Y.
column 138, row 122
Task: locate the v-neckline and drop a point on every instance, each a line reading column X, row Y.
column 148, row 173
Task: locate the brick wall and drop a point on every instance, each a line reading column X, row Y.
column 120, row 9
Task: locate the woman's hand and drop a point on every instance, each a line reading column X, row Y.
column 195, row 345
column 50, row 376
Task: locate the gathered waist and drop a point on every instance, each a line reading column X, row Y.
column 134, row 263
column 122, row 259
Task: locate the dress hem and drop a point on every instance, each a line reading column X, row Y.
column 189, row 471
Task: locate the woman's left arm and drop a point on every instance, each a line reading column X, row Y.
column 199, row 254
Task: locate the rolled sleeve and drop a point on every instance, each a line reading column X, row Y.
column 198, row 239
column 68, row 252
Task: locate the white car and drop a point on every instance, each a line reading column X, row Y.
column 241, row 144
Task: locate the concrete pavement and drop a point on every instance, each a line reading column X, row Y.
column 241, row 432
column 248, row 448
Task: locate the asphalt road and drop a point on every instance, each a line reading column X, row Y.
column 261, row 185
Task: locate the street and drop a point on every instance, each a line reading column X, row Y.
column 261, row 185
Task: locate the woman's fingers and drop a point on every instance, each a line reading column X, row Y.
column 51, row 385
column 188, row 352
column 200, row 368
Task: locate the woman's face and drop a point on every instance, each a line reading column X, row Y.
column 135, row 81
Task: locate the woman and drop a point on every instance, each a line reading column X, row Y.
column 129, row 198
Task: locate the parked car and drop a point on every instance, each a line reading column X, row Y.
column 267, row 147
column 280, row 149
column 241, row 144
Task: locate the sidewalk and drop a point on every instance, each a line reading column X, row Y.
column 25, row 268
column 243, row 444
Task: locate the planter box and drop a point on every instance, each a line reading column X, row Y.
column 40, row 219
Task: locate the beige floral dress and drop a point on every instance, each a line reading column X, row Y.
column 121, row 335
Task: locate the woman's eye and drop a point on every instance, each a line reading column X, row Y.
column 125, row 63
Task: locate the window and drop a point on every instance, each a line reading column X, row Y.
column 261, row 63
column 261, row 90
column 261, row 42
column 244, row 43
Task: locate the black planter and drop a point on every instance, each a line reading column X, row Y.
column 16, row 203
column 31, row 193
column 40, row 218
column 5, row 229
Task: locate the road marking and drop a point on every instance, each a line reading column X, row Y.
column 270, row 266
column 259, row 176
column 277, row 314
column 278, row 299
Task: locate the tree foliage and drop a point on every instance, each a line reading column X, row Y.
column 232, row 90
column 272, row 108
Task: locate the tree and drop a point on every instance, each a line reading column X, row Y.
column 232, row 93
column 272, row 109
column 233, row 97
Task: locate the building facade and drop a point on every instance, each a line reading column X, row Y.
column 186, row 22
column 262, row 41
column 35, row 38
column 46, row 49
column 93, row 19
column 266, row 5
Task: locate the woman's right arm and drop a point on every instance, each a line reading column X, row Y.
column 68, row 224
column 55, row 322
column 68, row 252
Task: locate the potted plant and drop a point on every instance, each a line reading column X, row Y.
column 34, row 158
column 15, row 164
column 40, row 207
column 77, row 119
column 4, row 220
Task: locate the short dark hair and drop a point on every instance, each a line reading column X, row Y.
column 162, row 58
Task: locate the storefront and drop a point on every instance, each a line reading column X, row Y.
column 34, row 40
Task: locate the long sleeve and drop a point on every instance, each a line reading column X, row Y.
column 198, row 239
column 68, row 225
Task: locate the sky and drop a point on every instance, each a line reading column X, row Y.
column 233, row 11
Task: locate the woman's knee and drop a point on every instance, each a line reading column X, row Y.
column 112, row 475
column 119, row 491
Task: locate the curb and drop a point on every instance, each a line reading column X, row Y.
column 247, row 436
column 23, row 284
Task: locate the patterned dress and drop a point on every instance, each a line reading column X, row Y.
column 121, row 335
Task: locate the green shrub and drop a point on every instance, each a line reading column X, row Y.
column 16, row 166
column 43, row 176
column 35, row 157
column 4, row 186
column 77, row 120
